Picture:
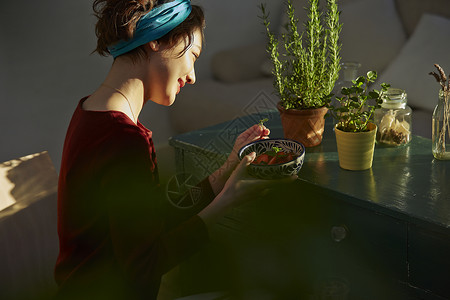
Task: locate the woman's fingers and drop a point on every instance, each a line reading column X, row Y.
column 255, row 132
column 246, row 160
column 265, row 132
column 252, row 134
column 241, row 168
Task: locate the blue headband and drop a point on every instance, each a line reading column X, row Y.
column 154, row 25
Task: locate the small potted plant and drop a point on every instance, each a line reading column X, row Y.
column 305, row 74
column 354, row 129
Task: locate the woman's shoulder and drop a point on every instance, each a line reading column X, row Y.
column 110, row 121
column 107, row 129
column 123, row 126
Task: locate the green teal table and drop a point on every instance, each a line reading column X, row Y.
column 383, row 233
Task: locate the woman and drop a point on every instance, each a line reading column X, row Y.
column 117, row 234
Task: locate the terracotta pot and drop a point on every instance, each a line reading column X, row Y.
column 303, row 125
column 355, row 149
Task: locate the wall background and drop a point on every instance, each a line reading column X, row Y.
column 46, row 66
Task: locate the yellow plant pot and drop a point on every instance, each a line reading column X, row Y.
column 355, row 149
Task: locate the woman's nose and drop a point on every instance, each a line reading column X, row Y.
column 191, row 77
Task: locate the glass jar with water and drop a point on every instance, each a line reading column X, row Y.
column 441, row 127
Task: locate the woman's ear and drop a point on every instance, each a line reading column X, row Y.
column 154, row 45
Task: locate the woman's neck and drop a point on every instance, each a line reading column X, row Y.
column 122, row 90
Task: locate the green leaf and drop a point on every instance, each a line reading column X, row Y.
column 353, row 105
column 261, row 122
column 360, row 80
column 371, row 76
column 374, row 94
column 276, row 149
column 346, row 91
column 359, row 90
column 385, row 86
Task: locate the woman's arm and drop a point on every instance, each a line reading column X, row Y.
column 238, row 189
column 223, row 202
column 146, row 235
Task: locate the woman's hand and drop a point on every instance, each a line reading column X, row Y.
column 220, row 176
column 256, row 132
column 239, row 188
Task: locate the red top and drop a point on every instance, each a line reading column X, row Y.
column 118, row 233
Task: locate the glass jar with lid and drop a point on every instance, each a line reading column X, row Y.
column 393, row 119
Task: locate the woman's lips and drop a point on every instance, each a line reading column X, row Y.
column 180, row 85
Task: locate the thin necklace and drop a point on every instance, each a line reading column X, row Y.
column 123, row 95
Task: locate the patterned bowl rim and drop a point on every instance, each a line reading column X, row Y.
column 273, row 139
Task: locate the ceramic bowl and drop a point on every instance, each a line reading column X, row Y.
column 276, row 170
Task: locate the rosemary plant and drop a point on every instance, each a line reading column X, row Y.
column 304, row 76
column 357, row 104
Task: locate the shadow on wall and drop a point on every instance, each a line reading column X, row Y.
column 28, row 236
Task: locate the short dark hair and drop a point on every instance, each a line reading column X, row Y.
column 117, row 19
